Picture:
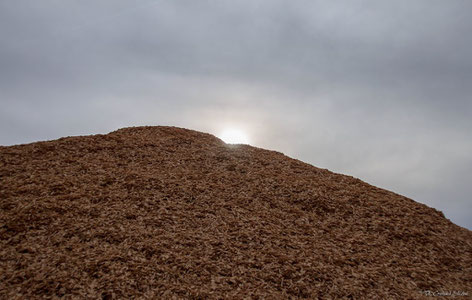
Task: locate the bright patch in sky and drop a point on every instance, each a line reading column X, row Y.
column 234, row 136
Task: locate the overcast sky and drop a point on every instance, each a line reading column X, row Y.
column 380, row 90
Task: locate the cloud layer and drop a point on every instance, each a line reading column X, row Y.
column 376, row 89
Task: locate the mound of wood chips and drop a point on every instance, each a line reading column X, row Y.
column 165, row 212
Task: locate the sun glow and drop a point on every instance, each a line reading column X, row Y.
column 234, row 136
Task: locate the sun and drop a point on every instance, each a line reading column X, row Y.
column 234, row 136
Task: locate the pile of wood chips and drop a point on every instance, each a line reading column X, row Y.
column 165, row 212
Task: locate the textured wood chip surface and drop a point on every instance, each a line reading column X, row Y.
column 165, row 212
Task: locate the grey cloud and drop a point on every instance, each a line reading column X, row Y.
column 376, row 89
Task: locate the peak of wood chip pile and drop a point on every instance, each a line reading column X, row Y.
column 165, row 212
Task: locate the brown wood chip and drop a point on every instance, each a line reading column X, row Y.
column 165, row 212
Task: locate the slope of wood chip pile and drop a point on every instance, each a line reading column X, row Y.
column 164, row 212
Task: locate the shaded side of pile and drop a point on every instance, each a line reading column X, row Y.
column 162, row 212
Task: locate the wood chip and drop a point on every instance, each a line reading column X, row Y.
column 165, row 212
